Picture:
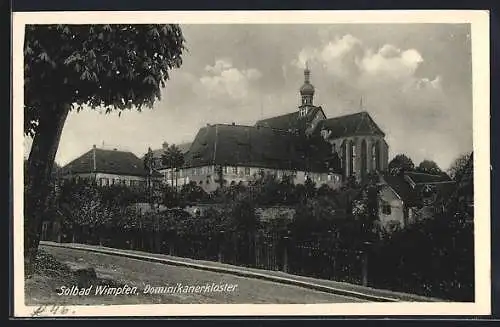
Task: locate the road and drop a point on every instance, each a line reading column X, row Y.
column 137, row 273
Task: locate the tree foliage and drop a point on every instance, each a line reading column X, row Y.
column 100, row 66
column 458, row 166
column 172, row 158
column 66, row 67
column 429, row 167
column 401, row 163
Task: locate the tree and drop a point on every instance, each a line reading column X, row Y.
column 429, row 167
column 172, row 158
column 72, row 67
column 366, row 207
column 192, row 193
column 400, row 163
column 148, row 167
column 458, row 166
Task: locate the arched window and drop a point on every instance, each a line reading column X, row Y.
column 352, row 157
column 343, row 157
column 364, row 158
column 376, row 155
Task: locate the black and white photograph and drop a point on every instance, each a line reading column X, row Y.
column 308, row 163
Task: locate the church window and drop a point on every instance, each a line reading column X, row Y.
column 364, row 158
column 376, row 155
column 352, row 157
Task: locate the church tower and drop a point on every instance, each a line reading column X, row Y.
column 306, row 93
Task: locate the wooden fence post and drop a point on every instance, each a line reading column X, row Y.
column 286, row 240
column 221, row 246
column 364, row 262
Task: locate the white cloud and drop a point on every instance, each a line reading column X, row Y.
column 391, row 62
column 225, row 80
column 219, row 66
column 348, row 57
column 388, row 79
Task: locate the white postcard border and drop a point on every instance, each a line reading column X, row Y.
column 479, row 21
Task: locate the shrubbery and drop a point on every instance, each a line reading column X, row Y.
column 433, row 257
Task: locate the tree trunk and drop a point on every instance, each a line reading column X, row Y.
column 40, row 163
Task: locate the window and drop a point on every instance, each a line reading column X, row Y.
column 224, row 170
column 235, row 170
column 376, row 155
column 386, row 208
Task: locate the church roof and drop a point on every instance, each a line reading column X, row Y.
column 289, row 121
column 255, row 146
column 359, row 123
column 108, row 162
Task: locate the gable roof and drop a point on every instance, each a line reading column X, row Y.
column 402, row 189
column 410, row 194
column 359, row 123
column 425, row 178
column 108, row 162
column 255, row 146
column 291, row 121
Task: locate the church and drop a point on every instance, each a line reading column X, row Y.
column 303, row 144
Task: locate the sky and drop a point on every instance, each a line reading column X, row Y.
column 413, row 79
